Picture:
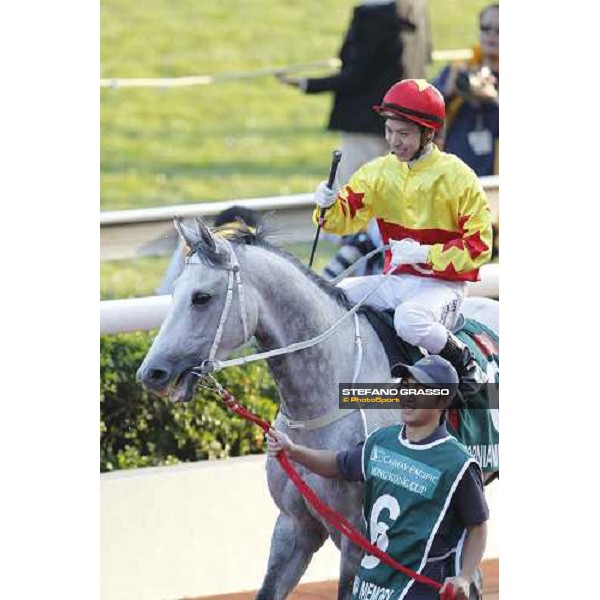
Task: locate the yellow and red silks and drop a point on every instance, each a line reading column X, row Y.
column 439, row 202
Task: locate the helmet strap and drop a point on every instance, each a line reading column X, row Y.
column 422, row 144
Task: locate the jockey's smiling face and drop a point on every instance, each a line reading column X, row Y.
column 404, row 138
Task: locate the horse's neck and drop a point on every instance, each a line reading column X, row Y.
column 294, row 309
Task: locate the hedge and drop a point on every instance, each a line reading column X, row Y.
column 139, row 429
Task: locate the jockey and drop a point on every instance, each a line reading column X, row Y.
column 432, row 210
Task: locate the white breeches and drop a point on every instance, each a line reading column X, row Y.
column 425, row 308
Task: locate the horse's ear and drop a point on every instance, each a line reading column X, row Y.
column 190, row 236
column 206, row 236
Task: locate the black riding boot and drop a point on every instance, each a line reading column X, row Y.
column 471, row 377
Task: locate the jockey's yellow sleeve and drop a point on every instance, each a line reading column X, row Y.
column 438, row 202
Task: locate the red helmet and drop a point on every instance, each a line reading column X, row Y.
column 415, row 100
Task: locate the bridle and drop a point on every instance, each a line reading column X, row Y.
column 211, row 365
column 234, row 272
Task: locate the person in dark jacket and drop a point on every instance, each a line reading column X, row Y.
column 371, row 64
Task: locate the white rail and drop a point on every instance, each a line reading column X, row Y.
column 190, row 80
column 133, row 314
column 149, row 231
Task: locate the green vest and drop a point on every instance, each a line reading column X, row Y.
column 408, row 491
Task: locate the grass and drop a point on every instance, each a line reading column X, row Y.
column 131, row 278
column 238, row 139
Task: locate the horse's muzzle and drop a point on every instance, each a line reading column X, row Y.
column 154, row 378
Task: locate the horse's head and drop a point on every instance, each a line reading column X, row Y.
column 207, row 319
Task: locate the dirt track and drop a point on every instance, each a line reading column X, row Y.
column 327, row 590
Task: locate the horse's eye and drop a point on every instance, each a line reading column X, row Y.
column 199, row 298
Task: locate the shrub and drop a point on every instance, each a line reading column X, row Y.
column 138, row 429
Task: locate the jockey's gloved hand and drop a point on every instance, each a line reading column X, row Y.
column 408, row 252
column 324, row 195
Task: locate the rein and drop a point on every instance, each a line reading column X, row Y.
column 334, row 518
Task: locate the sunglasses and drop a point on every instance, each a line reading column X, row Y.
column 489, row 29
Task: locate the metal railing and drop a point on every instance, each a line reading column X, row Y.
column 143, row 314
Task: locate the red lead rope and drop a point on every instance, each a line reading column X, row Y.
column 332, row 516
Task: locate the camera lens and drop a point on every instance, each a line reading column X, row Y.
column 462, row 82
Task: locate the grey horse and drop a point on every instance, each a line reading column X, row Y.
column 283, row 303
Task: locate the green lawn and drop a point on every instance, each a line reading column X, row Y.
column 238, row 139
column 229, row 140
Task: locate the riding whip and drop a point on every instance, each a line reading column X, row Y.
column 335, row 161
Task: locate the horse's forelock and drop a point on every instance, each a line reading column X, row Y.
column 243, row 234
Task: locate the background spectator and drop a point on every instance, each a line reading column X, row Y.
column 415, row 37
column 471, row 94
column 371, row 63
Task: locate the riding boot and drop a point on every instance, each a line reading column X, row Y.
column 471, row 376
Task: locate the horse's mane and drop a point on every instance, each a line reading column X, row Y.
column 241, row 235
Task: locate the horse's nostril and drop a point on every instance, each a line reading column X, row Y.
column 155, row 379
column 157, row 375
